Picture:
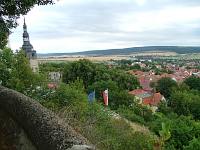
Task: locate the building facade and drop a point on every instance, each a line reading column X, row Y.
column 55, row 76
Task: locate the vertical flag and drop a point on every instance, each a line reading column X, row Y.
column 91, row 96
column 105, row 97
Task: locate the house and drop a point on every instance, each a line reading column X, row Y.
column 145, row 82
column 153, row 100
column 55, row 76
column 140, row 94
column 148, row 98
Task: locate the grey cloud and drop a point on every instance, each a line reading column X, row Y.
column 171, row 35
column 98, row 21
column 80, row 19
column 100, row 16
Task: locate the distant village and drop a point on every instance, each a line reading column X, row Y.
column 148, row 71
column 147, row 68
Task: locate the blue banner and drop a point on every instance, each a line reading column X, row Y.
column 91, row 96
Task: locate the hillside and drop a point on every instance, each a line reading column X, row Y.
column 128, row 51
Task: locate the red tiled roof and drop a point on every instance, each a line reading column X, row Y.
column 137, row 92
column 153, row 100
column 147, row 101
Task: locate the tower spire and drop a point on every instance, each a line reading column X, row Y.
column 24, row 26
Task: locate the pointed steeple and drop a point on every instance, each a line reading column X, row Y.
column 24, row 26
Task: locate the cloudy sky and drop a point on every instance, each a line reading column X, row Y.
column 79, row 25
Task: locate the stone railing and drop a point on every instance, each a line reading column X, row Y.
column 44, row 129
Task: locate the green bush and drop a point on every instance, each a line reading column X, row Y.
column 96, row 122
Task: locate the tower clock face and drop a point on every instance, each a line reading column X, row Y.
column 25, row 39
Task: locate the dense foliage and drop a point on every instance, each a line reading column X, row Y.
column 193, row 82
column 175, row 126
column 91, row 73
column 95, row 122
column 182, row 109
column 165, row 85
column 15, row 72
column 99, row 77
column 182, row 129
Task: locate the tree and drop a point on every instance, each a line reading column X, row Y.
column 135, row 67
column 90, row 72
column 181, row 132
column 164, row 108
column 22, row 77
column 69, row 94
column 10, row 11
column 100, row 86
column 165, row 85
column 193, row 144
column 117, row 96
column 121, row 98
column 185, row 103
column 6, row 66
column 16, row 73
column 124, row 80
column 82, row 69
column 165, row 132
column 193, row 82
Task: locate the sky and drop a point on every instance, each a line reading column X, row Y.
column 81, row 25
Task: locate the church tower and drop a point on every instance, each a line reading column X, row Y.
column 28, row 49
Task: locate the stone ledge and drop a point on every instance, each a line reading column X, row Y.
column 45, row 129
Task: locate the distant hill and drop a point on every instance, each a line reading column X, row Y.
column 128, row 51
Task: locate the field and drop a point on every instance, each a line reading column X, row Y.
column 104, row 58
column 100, row 58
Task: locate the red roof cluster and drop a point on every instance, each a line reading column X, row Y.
column 145, row 78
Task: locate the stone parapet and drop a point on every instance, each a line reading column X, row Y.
column 45, row 129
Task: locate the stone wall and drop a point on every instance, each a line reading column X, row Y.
column 44, row 129
column 12, row 136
